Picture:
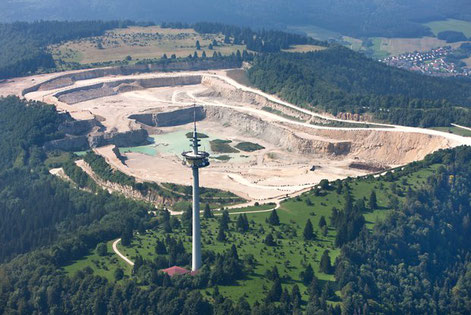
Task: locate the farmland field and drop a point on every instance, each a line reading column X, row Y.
column 450, row 25
column 140, row 43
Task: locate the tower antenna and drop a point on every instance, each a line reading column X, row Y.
column 195, row 160
column 194, row 119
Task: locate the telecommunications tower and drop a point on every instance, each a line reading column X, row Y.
column 196, row 159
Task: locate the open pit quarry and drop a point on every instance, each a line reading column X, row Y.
column 147, row 113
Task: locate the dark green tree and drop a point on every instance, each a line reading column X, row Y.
column 275, row 292
column 269, row 240
column 322, row 222
column 101, row 249
column 207, row 214
column 118, row 274
column 224, row 221
column 273, row 219
column 325, row 264
column 324, row 184
column 373, row 201
column 221, row 237
column 308, row 232
column 272, row 274
column 160, row 248
column 242, row 223
column 198, row 46
column 307, row 275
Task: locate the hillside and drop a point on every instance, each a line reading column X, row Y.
column 327, row 250
column 339, row 80
column 355, row 18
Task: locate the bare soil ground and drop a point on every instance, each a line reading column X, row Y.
column 235, row 112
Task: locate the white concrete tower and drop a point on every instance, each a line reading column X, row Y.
column 195, row 160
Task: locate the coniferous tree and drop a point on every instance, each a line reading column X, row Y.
column 221, row 237
column 101, row 249
column 203, row 55
column 325, row 264
column 187, row 219
column 273, row 219
column 338, row 184
column 272, row 274
column 224, row 221
column 269, row 240
column 207, row 214
column 242, row 307
column 373, row 201
column 308, row 232
column 307, row 275
column 198, row 46
column 296, row 297
column 160, row 248
column 126, row 236
column 322, row 222
column 242, row 223
column 314, row 288
column 275, row 292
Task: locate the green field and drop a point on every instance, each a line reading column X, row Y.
column 222, row 146
column 292, row 252
column 455, row 130
column 450, row 25
column 249, row 146
column 102, row 266
column 140, row 43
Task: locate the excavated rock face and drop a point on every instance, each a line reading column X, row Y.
column 78, row 143
column 79, row 127
column 225, row 91
column 82, row 135
column 276, row 134
column 173, row 118
column 121, row 139
column 194, row 65
column 91, row 92
column 389, row 147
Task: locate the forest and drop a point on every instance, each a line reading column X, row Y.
column 258, row 41
column 36, row 208
column 340, row 80
column 357, row 18
column 24, row 44
column 416, row 260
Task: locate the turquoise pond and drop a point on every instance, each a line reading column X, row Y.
column 176, row 142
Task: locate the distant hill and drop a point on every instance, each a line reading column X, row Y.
column 394, row 18
column 340, row 80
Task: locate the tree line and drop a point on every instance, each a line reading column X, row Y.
column 263, row 41
column 24, row 45
column 338, row 79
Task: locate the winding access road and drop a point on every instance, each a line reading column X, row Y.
column 117, row 252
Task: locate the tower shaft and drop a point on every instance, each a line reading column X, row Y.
column 196, row 246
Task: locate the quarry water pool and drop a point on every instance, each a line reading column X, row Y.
column 176, row 142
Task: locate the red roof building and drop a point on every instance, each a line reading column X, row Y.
column 175, row 270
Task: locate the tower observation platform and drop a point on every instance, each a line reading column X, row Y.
column 196, row 159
